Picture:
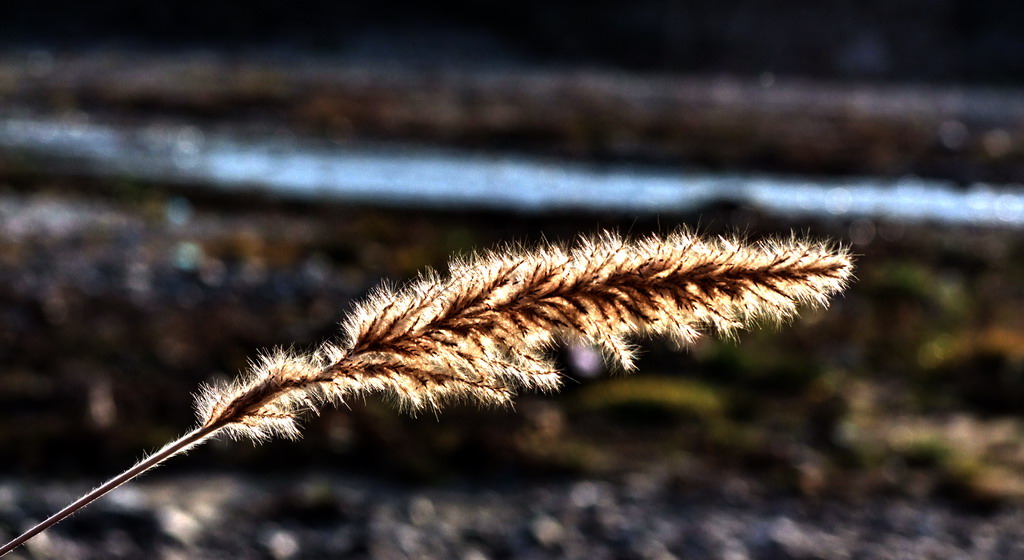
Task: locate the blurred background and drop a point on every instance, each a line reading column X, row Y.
column 184, row 184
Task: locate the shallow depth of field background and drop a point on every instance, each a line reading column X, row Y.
column 181, row 186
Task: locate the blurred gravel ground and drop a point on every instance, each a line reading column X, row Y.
column 643, row 516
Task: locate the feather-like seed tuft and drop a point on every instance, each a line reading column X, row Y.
column 484, row 331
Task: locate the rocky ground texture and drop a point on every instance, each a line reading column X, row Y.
column 641, row 516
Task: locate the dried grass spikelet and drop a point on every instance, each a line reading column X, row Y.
column 483, row 332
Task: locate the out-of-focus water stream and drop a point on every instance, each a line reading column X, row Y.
column 458, row 180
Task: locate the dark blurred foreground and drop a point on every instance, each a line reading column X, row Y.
column 648, row 515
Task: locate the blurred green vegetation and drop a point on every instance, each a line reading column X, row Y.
column 650, row 400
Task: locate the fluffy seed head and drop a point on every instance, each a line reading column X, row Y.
column 482, row 332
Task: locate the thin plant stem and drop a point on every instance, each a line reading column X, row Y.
column 153, row 460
